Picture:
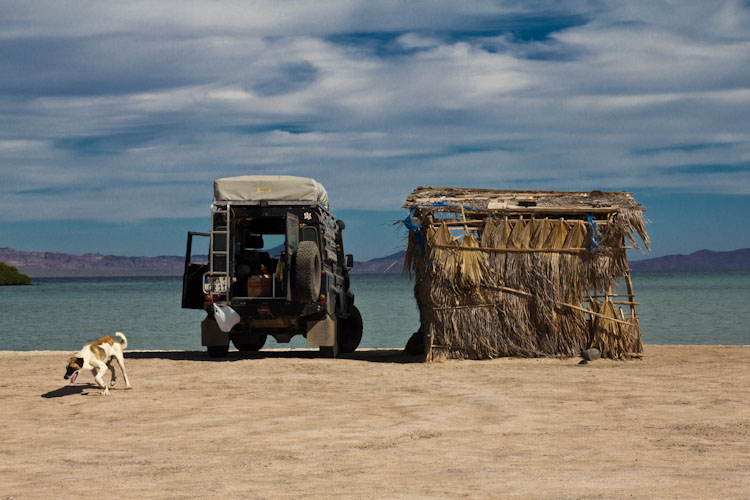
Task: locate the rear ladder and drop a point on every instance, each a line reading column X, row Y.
column 219, row 265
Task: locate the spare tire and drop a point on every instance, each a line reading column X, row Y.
column 307, row 272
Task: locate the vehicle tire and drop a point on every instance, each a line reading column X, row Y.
column 253, row 346
column 307, row 272
column 349, row 331
column 217, row 351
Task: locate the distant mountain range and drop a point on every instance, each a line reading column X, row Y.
column 702, row 260
column 393, row 263
column 50, row 264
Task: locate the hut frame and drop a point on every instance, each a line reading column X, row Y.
column 523, row 273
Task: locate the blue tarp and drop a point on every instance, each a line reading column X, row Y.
column 417, row 229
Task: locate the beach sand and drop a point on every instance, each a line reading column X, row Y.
column 376, row 425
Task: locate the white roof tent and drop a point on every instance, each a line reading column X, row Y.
column 269, row 188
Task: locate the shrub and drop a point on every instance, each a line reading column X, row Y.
column 9, row 275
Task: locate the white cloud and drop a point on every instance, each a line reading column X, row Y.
column 149, row 102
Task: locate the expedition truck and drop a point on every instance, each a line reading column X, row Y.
column 276, row 266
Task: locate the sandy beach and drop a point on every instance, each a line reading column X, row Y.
column 378, row 425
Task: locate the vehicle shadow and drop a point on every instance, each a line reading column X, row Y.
column 69, row 390
column 397, row 356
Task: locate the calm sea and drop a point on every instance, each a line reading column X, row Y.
column 63, row 313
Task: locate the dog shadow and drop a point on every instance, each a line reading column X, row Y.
column 69, row 390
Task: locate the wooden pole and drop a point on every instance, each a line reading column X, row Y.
column 527, row 294
column 631, row 296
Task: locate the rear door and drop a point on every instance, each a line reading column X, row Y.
column 292, row 242
column 192, row 278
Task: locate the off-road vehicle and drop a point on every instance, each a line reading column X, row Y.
column 276, row 266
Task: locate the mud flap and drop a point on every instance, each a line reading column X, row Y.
column 225, row 317
column 322, row 333
column 211, row 335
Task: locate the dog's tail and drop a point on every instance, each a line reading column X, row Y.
column 124, row 343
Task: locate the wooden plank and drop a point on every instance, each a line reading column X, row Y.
column 549, row 210
column 562, row 209
column 521, row 250
column 459, row 222
column 513, row 250
column 622, row 302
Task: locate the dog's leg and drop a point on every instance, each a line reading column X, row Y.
column 101, row 368
column 121, row 361
column 112, row 371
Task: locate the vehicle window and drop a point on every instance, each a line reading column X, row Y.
column 273, row 244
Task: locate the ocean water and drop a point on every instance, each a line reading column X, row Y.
column 701, row 307
column 64, row 313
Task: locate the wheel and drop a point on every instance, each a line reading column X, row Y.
column 307, row 272
column 349, row 331
column 217, row 351
column 252, row 346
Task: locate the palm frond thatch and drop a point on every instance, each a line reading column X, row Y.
column 518, row 284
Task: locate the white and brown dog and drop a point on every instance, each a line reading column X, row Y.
column 97, row 357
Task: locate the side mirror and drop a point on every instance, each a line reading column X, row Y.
column 349, row 261
column 340, row 224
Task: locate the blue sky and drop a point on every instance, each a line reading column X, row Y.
column 116, row 117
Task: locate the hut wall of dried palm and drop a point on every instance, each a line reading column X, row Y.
column 495, row 277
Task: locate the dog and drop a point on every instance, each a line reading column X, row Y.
column 97, row 357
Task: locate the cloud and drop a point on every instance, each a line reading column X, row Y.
column 129, row 111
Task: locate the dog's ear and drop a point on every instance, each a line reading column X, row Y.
column 79, row 362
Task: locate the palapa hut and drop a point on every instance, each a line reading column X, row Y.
column 523, row 273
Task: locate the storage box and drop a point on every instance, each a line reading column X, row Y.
column 259, row 286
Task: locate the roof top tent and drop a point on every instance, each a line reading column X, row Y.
column 523, row 273
column 269, row 188
column 276, row 266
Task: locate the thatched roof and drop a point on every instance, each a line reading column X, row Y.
column 500, row 202
column 525, row 201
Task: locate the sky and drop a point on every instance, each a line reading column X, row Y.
column 115, row 117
